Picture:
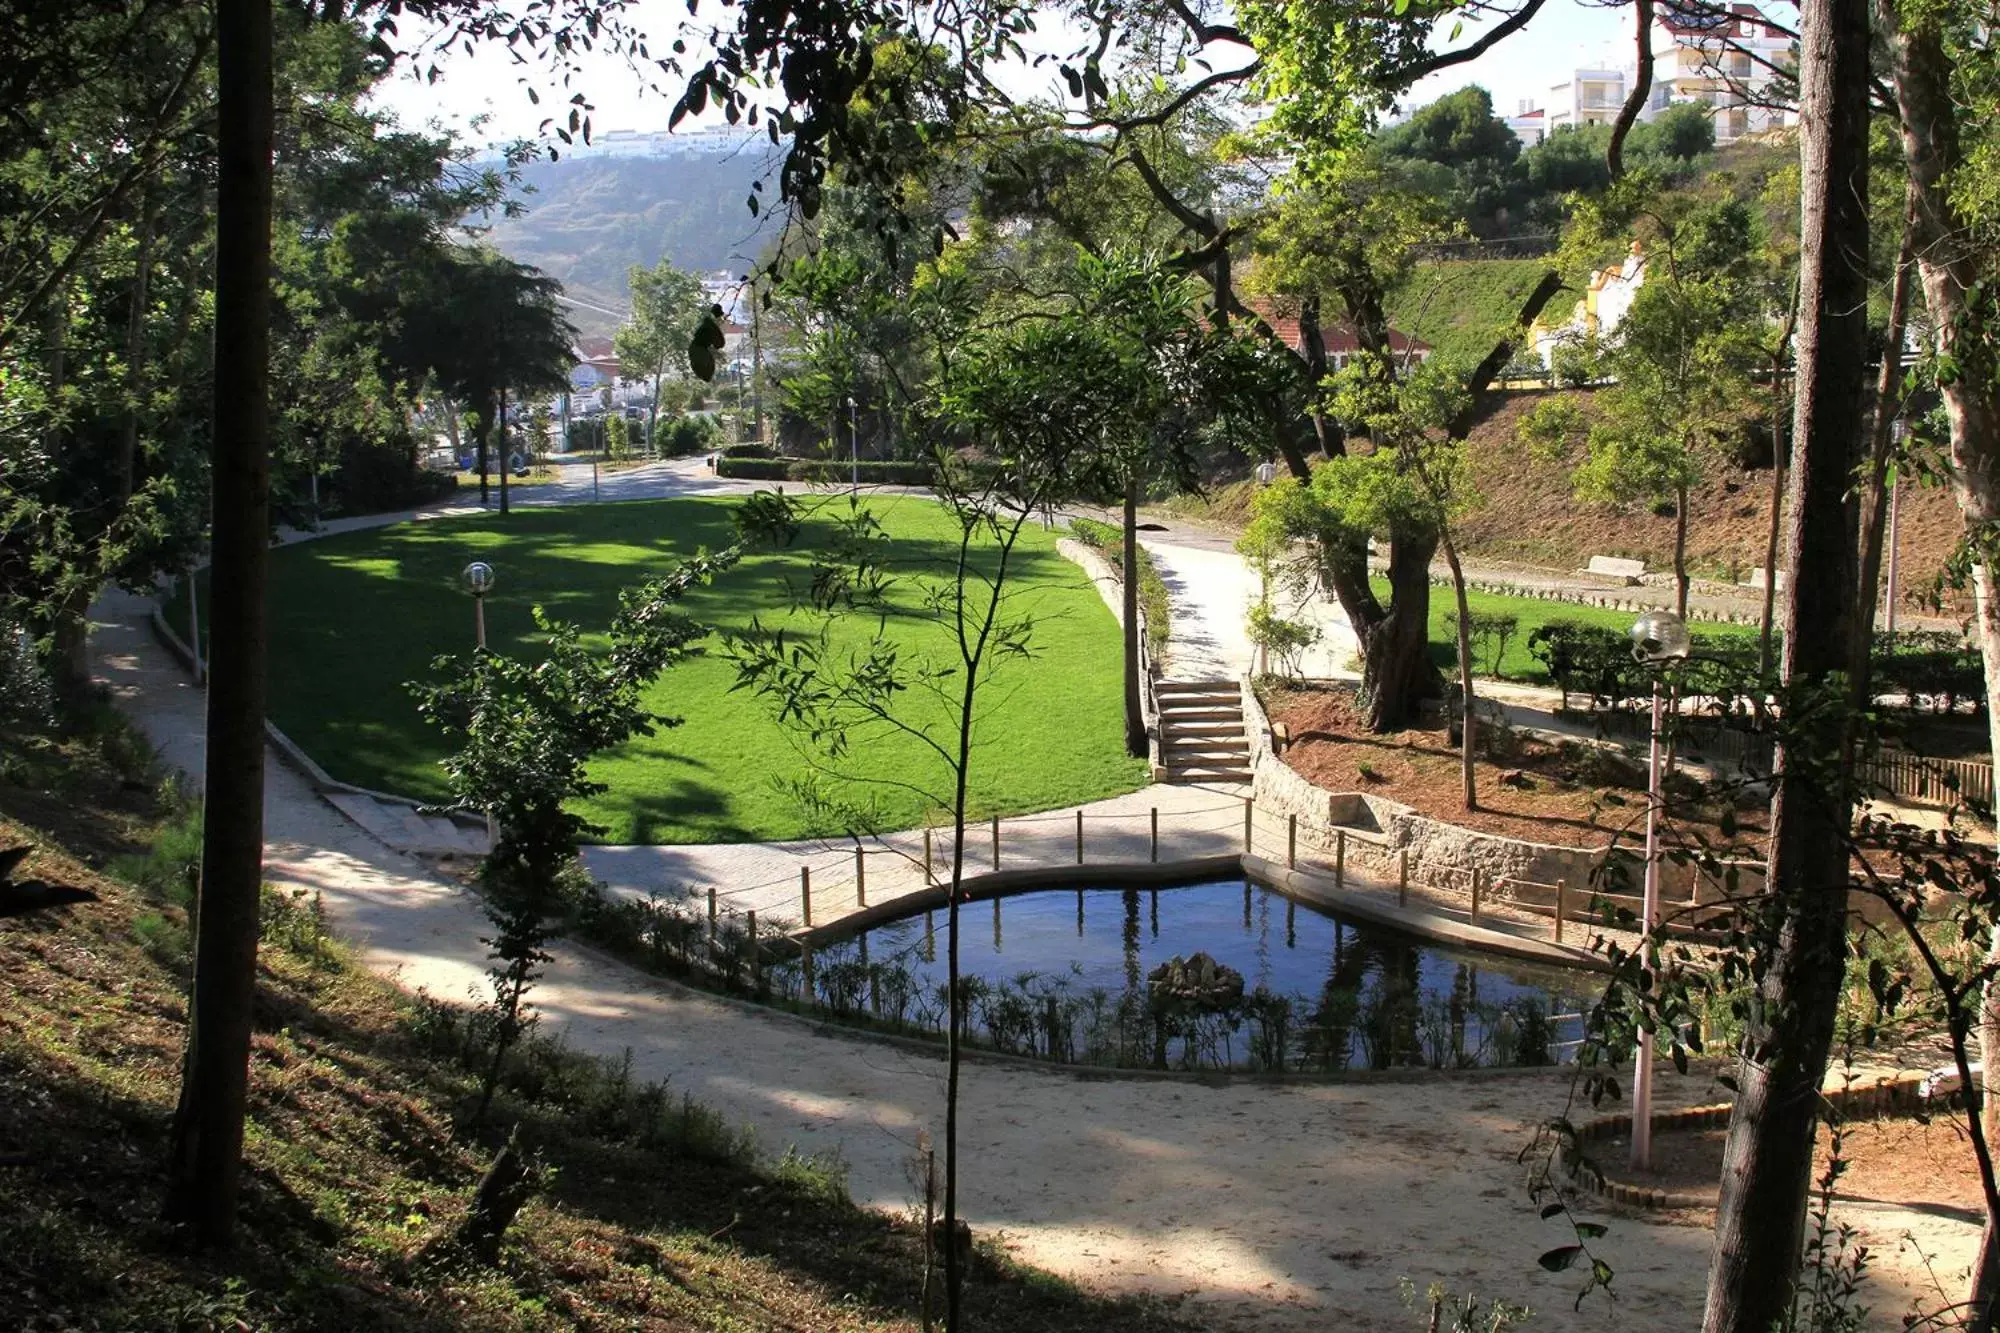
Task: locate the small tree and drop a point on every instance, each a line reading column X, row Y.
column 1680, row 362
column 526, row 732
column 667, row 304
column 1037, row 398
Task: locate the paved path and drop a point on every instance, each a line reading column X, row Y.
column 1267, row 1207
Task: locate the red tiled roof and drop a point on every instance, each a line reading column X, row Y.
column 1338, row 334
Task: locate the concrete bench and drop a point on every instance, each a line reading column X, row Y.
column 1613, row 567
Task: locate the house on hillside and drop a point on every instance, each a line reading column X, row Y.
column 1606, row 299
column 1342, row 342
column 596, row 365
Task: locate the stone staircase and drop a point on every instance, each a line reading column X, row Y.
column 407, row 829
column 1201, row 731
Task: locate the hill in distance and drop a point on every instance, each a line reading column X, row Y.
column 591, row 217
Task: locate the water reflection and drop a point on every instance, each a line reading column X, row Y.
column 1320, row 992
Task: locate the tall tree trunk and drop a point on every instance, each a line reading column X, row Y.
column 1469, row 722
column 653, row 413
column 1764, row 635
column 1135, row 707
column 1881, row 438
column 208, row 1126
column 1950, row 269
column 500, row 432
column 1398, row 674
column 1681, row 551
column 1767, row 1160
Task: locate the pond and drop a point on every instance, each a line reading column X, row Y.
column 1069, row 975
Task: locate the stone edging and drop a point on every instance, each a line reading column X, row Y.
column 1879, row 1098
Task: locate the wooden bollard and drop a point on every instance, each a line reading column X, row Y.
column 996, row 842
column 1340, row 858
column 1562, row 891
column 1402, row 877
column 1292, row 841
column 860, row 878
column 927, row 855
column 1079, row 837
column 806, row 893
column 1249, row 805
column 1477, row 880
column 1156, row 833
column 711, row 913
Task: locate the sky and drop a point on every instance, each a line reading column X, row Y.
column 1566, row 35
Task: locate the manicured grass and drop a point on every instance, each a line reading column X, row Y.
column 357, row 616
column 1531, row 612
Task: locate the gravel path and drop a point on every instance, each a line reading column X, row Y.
column 1265, row 1207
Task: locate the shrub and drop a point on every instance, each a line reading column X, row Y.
column 1931, row 668
column 690, row 435
column 1285, row 640
column 872, row 472
column 1490, row 633
column 1587, row 659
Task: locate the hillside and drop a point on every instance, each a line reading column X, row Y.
column 1528, row 514
column 1461, row 306
column 590, row 219
column 653, row 1214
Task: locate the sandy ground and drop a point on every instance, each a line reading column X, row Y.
column 1270, row 1208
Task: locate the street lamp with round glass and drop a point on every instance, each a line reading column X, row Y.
column 1660, row 638
column 478, row 580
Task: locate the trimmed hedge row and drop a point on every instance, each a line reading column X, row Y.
column 870, row 471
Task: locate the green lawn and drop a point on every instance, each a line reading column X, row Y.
column 354, row 617
column 1531, row 612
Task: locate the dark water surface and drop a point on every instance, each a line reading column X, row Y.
column 1359, row 994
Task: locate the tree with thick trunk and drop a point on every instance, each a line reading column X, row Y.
column 1949, row 264
column 1767, row 1162
column 207, row 1150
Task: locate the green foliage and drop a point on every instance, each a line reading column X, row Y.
column 1490, row 632
column 689, row 435
column 526, row 731
column 1285, row 640
column 1460, row 152
column 666, row 304
column 1107, row 540
column 828, row 472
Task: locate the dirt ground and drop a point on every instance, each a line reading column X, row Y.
column 1570, row 794
column 1907, row 1163
column 1529, row 513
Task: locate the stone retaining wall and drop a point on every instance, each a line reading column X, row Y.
column 1442, row 852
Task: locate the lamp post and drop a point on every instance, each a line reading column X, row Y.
column 1659, row 639
column 478, row 580
column 854, row 440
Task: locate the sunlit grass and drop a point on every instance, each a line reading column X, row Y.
column 357, row 616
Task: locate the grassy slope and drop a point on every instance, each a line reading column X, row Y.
column 356, row 616
column 354, row 1163
column 1460, row 307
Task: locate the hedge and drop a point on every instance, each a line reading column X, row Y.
column 871, row 471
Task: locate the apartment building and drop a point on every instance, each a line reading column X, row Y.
column 1728, row 62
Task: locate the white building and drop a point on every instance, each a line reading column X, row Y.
column 1726, row 63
